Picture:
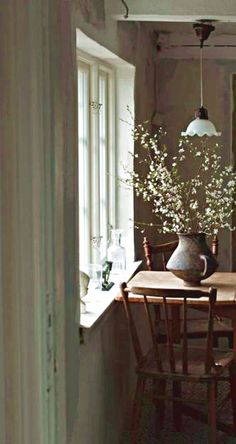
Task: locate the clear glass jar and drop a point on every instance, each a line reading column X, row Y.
column 116, row 253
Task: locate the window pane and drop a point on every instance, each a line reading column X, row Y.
column 103, row 157
column 84, row 162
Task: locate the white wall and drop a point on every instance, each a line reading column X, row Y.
column 22, row 218
column 38, row 183
column 125, row 146
column 106, row 379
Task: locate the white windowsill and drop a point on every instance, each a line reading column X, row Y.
column 99, row 301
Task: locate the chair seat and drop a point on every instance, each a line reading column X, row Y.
column 196, row 357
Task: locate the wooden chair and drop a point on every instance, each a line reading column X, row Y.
column 197, row 327
column 177, row 363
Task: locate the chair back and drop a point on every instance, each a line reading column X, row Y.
column 162, row 250
column 166, row 297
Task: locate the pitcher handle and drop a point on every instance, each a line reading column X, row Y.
column 206, row 260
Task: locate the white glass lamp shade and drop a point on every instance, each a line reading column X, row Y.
column 201, row 126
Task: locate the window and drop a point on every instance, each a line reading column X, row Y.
column 97, row 160
column 105, row 89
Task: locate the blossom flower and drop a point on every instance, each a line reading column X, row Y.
column 199, row 198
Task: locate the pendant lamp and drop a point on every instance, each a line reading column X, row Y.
column 201, row 125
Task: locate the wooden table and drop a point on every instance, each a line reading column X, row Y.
column 224, row 282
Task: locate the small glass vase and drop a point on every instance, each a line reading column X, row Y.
column 94, row 273
column 116, row 253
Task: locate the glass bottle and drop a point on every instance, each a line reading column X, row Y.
column 116, row 253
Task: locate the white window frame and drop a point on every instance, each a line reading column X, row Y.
column 96, row 68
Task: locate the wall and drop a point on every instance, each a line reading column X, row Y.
column 38, row 183
column 178, row 94
column 234, row 160
column 21, row 273
column 125, row 146
column 105, row 380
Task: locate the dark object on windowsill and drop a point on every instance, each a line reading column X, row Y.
column 106, row 285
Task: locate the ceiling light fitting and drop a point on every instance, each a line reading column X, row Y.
column 201, row 125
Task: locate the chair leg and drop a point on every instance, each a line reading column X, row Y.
column 230, row 340
column 177, row 406
column 159, row 389
column 137, row 407
column 232, row 377
column 157, row 320
column 211, row 413
column 175, row 324
column 215, row 340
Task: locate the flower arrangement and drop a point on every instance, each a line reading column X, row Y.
column 189, row 192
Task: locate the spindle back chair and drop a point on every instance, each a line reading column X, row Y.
column 158, row 250
column 176, row 362
column 167, row 248
column 197, row 326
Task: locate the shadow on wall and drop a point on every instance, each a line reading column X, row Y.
column 92, row 12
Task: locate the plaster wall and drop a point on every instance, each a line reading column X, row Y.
column 106, row 376
column 125, row 145
column 38, row 199
column 178, row 95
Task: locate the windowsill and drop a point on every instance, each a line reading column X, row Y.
column 98, row 303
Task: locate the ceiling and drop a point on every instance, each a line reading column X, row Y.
column 172, row 25
column 172, row 10
column 178, row 40
column 187, row 28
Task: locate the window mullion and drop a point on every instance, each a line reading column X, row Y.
column 95, row 167
column 84, row 160
column 103, row 153
column 112, row 160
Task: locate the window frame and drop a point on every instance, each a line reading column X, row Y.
column 97, row 67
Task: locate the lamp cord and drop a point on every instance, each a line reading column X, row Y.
column 201, row 82
column 126, row 15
